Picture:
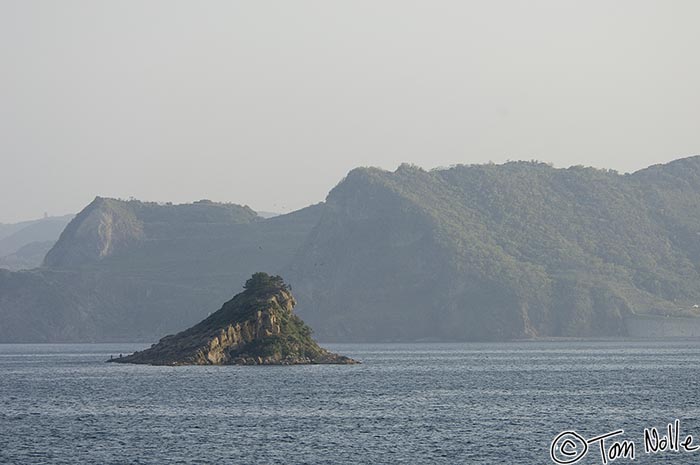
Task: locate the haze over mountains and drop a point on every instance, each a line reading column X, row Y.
column 479, row 252
column 23, row 245
column 501, row 251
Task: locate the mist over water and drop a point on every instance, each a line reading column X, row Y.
column 407, row 403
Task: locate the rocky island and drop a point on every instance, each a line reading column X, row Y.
column 256, row 327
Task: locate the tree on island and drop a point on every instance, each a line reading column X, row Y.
column 262, row 282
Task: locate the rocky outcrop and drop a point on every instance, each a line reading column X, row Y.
column 256, row 327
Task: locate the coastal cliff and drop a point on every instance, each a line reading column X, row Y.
column 256, row 327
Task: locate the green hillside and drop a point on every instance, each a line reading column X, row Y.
column 129, row 270
column 480, row 252
column 501, row 252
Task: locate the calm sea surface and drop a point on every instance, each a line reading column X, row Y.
column 407, row 403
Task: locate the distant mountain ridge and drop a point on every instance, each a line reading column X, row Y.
column 23, row 245
column 27, row 257
column 478, row 252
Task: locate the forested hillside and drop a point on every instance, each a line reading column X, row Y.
column 501, row 251
column 479, row 252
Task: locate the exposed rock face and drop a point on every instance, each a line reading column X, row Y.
column 186, row 261
column 102, row 228
column 256, row 327
column 110, row 227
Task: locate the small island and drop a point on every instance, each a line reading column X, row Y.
column 256, row 327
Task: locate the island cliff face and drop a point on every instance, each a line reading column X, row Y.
column 256, row 327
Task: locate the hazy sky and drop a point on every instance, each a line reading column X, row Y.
column 271, row 103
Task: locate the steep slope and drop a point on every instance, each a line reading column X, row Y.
column 256, row 327
column 159, row 269
column 483, row 252
column 500, row 252
column 107, row 227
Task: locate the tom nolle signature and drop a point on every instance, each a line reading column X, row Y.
column 570, row 447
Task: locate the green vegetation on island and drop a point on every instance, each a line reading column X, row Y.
column 256, row 327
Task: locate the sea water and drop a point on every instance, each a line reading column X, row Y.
column 406, row 403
